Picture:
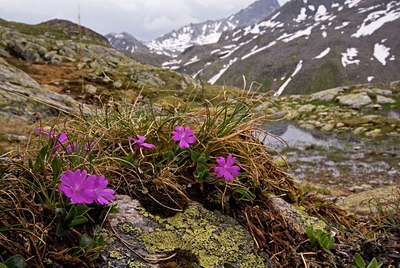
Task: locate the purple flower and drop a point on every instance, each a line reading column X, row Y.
column 82, row 188
column 61, row 138
column 184, row 136
column 78, row 186
column 226, row 169
column 103, row 195
column 75, row 147
column 51, row 133
column 140, row 142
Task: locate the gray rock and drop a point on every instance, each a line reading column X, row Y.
column 91, row 89
column 327, row 95
column 4, row 54
column 328, row 127
column 306, row 108
column 356, row 100
column 380, row 91
column 384, row 100
column 118, row 84
column 212, row 238
column 22, row 97
column 363, row 202
column 359, row 130
column 374, row 133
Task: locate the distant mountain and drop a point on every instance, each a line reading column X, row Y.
column 125, row 42
column 305, row 46
column 175, row 42
column 210, row 31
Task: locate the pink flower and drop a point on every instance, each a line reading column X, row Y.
column 78, row 186
column 226, row 169
column 140, row 142
column 103, row 195
column 75, row 147
column 82, row 188
column 51, row 133
column 61, row 138
column 184, row 136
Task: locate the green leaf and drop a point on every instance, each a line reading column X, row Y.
column 80, row 219
column 113, row 209
column 195, row 156
column 374, row 264
column 311, row 235
column 39, row 163
column 2, row 265
column 359, row 261
column 86, row 243
column 16, row 261
column 60, row 231
column 56, row 165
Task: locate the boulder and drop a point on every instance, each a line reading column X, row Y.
column 194, row 237
column 23, row 98
column 327, row 95
column 356, row 100
column 384, row 100
column 306, row 108
column 365, row 202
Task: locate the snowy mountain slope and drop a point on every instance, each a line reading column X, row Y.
column 210, row 31
column 173, row 43
column 305, row 46
column 126, row 43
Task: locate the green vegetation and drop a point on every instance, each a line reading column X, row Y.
column 320, row 238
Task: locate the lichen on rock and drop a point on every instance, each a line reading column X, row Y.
column 209, row 238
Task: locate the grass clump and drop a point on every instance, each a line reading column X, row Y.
column 220, row 164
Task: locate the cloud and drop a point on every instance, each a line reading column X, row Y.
column 145, row 19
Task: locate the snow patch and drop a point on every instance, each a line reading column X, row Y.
column 352, row 3
column 192, row 60
column 370, row 78
column 222, row 71
column 302, row 16
column 324, row 34
column 377, row 19
column 290, row 37
column 344, row 24
column 349, row 57
column 284, row 85
column 381, row 53
column 323, row 53
column 322, row 14
column 255, row 51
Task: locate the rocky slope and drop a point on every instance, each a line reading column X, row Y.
column 305, row 46
column 173, row 43
column 57, row 67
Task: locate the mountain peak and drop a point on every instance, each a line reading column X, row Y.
column 208, row 32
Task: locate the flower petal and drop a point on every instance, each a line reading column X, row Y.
column 228, row 176
column 221, row 161
column 148, row 145
column 183, row 144
column 230, row 160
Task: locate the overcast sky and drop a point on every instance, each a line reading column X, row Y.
column 144, row 19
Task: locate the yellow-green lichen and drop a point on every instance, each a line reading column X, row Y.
column 207, row 235
column 161, row 241
column 137, row 264
column 115, row 254
column 127, row 228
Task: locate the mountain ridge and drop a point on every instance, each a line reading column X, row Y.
column 305, row 46
column 173, row 43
